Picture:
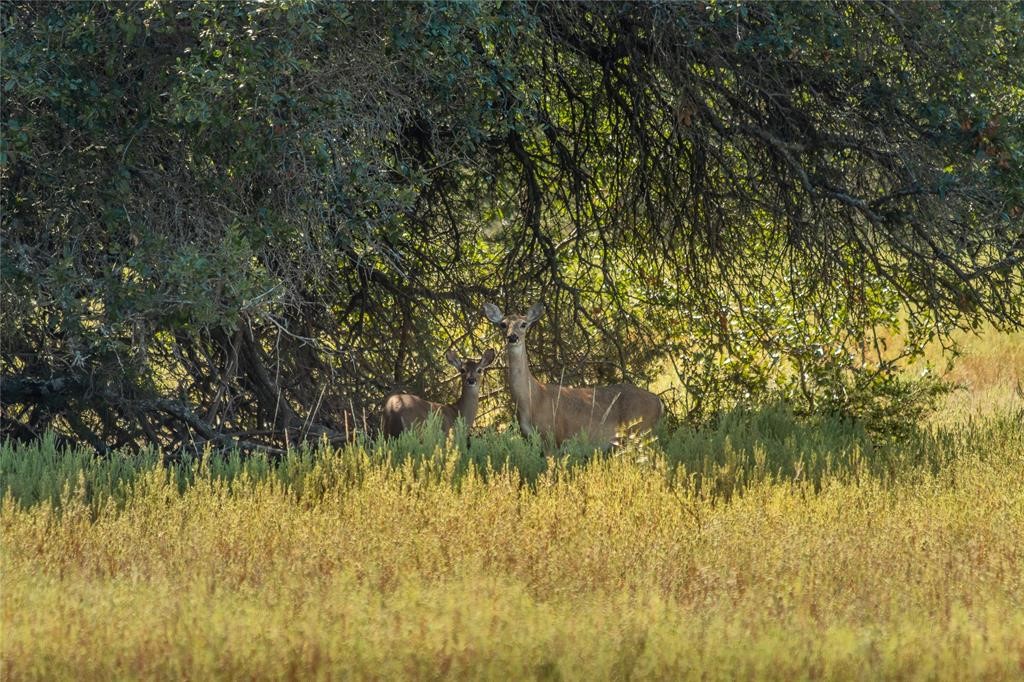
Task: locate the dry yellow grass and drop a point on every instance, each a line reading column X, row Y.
column 607, row 573
column 990, row 374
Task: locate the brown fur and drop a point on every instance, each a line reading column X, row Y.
column 403, row 410
column 602, row 413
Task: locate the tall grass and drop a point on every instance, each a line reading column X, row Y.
column 763, row 547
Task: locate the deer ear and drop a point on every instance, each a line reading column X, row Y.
column 451, row 357
column 487, row 359
column 534, row 313
column 493, row 313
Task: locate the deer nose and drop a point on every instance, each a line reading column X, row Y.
column 471, row 382
column 513, row 338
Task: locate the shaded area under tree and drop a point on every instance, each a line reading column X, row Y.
column 245, row 224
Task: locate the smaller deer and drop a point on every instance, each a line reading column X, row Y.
column 403, row 410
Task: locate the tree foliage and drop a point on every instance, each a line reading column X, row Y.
column 245, row 223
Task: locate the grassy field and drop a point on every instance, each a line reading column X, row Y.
column 765, row 547
column 990, row 374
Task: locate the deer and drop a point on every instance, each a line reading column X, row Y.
column 557, row 413
column 403, row 410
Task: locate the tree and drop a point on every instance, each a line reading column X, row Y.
column 246, row 223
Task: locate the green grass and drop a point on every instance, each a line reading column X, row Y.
column 741, row 449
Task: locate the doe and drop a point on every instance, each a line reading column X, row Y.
column 557, row 413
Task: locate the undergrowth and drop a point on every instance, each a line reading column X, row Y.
column 741, row 449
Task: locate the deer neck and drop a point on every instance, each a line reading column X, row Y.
column 521, row 383
column 467, row 403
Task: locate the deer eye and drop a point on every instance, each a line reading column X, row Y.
column 504, row 325
column 523, row 325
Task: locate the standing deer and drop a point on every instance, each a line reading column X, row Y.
column 558, row 412
column 403, row 410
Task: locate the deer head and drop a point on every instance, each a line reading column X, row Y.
column 470, row 370
column 514, row 326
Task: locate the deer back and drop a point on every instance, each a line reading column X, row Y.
column 403, row 410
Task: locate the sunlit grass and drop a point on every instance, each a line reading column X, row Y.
column 989, row 374
column 357, row 565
